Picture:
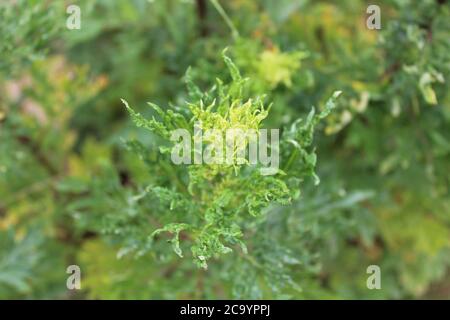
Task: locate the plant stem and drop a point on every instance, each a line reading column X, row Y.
column 225, row 17
column 291, row 159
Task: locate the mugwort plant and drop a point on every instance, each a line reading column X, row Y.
column 219, row 189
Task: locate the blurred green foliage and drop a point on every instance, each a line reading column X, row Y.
column 81, row 184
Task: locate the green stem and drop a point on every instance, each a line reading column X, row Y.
column 225, row 17
column 291, row 159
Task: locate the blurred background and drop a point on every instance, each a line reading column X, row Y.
column 67, row 176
